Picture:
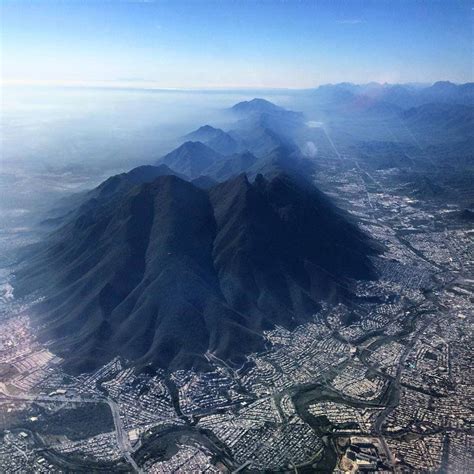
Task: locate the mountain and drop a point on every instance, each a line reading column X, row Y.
column 259, row 140
column 262, row 133
column 447, row 92
column 261, row 108
column 347, row 96
column 397, row 95
column 425, row 188
column 216, row 139
column 168, row 271
column 196, row 160
column 204, row 134
column 441, row 122
column 232, row 165
column 287, row 159
column 191, row 159
column 204, row 182
column 380, row 155
column 257, row 106
column 333, row 94
column 123, row 182
column 117, row 184
column 264, row 126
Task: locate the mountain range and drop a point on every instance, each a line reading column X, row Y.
column 220, row 239
column 162, row 266
column 402, row 96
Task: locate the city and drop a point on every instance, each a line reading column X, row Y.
column 382, row 386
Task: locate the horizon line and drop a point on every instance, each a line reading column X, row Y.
column 115, row 84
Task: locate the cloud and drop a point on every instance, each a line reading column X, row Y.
column 353, row 21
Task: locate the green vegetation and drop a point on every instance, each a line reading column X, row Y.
column 76, row 423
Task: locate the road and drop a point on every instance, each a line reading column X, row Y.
column 122, row 437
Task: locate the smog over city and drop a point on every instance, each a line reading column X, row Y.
column 236, row 236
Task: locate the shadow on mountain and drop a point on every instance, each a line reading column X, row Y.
column 167, row 271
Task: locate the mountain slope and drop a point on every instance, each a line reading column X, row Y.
column 232, row 165
column 260, row 140
column 191, row 159
column 115, row 185
column 137, row 279
column 169, row 271
column 441, row 122
column 123, row 182
column 216, row 139
column 256, row 106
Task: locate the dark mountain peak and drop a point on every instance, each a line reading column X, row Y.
column 117, row 184
column 260, row 102
column 216, row 139
column 168, row 183
column 191, row 158
column 204, row 133
column 122, row 182
column 444, row 85
column 207, row 128
column 145, row 170
column 256, row 106
column 192, row 147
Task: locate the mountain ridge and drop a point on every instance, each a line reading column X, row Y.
column 161, row 275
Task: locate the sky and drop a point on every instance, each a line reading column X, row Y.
column 235, row 43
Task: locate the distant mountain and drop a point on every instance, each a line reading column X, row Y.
column 204, row 134
column 441, row 122
column 232, row 165
column 191, row 159
column 263, row 126
column 266, row 114
column 397, row 95
column 447, row 92
column 216, row 139
column 257, row 106
column 334, row 94
column 168, row 271
column 404, row 96
column 425, row 188
column 385, row 155
column 195, row 160
column 259, row 139
column 287, row 159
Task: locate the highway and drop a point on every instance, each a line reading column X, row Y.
column 122, row 437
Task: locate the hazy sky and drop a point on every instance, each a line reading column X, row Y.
column 206, row 44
